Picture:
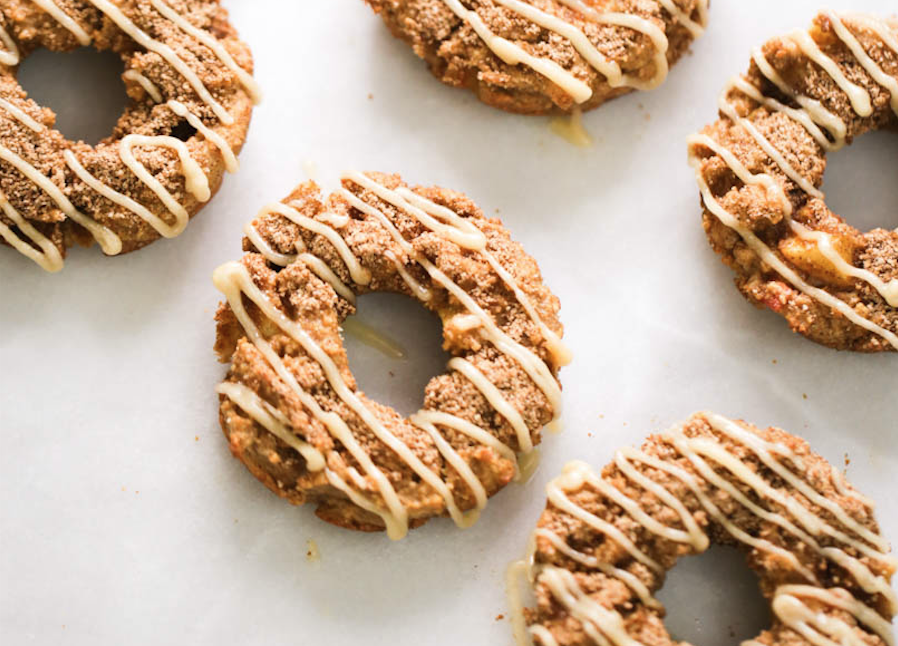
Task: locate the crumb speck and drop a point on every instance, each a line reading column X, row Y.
column 313, row 554
column 500, row 617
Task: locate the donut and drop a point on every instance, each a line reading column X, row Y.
column 192, row 92
column 545, row 56
column 760, row 171
column 604, row 543
column 290, row 407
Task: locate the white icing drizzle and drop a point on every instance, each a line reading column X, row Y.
column 602, row 624
column 227, row 153
column 65, row 20
column 272, row 419
column 145, row 83
column 23, row 117
column 234, row 280
column 818, row 627
column 109, row 242
column 812, row 116
column 560, row 352
column 11, row 56
column 249, row 83
column 48, row 257
column 196, row 182
column 513, row 54
column 114, row 196
column 272, row 256
column 496, row 399
column 870, row 66
column 359, row 274
column 144, row 40
column 859, row 97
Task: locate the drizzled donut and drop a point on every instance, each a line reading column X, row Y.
column 290, row 408
column 606, row 540
column 189, row 78
column 539, row 56
column 760, row 171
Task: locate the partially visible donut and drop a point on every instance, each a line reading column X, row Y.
column 541, row 56
column 760, row 170
column 189, row 78
column 290, row 407
column 605, row 542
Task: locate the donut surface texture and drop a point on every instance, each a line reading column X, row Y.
column 290, row 407
column 605, row 542
column 189, row 78
column 544, row 56
column 760, row 171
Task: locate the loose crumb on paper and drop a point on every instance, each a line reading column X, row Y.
column 313, row 554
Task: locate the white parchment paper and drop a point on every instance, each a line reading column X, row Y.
column 124, row 520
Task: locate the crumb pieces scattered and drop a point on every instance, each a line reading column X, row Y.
column 500, row 617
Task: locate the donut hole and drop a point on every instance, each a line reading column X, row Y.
column 860, row 182
column 83, row 87
column 395, row 348
column 183, row 131
column 714, row 599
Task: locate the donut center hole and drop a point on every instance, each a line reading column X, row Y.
column 183, row 131
column 860, row 182
column 394, row 347
column 83, row 87
column 714, row 599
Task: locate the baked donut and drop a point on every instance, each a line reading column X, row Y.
column 542, row 56
column 192, row 95
column 604, row 543
column 290, row 407
column 760, row 170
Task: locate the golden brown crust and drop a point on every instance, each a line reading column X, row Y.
column 643, row 622
column 318, row 309
column 31, row 28
column 458, row 57
column 759, row 211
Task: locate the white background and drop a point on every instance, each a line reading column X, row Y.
column 125, row 520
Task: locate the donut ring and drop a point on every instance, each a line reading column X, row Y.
column 604, row 544
column 542, row 56
column 189, row 78
column 290, row 406
column 760, row 170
